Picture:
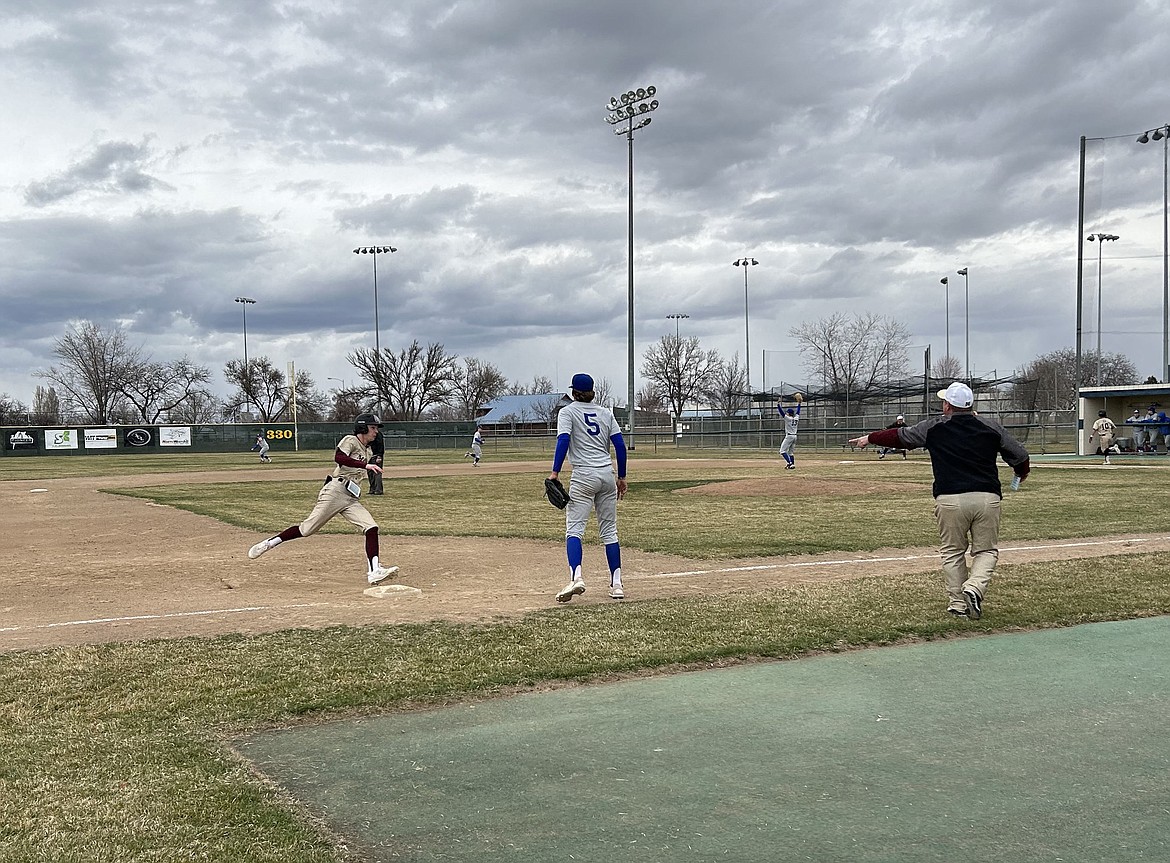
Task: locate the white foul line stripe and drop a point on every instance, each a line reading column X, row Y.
column 98, row 620
column 863, row 560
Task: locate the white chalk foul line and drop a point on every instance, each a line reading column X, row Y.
column 855, row 561
column 100, row 620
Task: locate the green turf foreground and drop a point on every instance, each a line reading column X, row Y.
column 117, row 752
column 1037, row 746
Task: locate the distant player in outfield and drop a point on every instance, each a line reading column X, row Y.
column 339, row 496
column 262, row 445
column 963, row 448
column 791, row 422
column 476, row 451
column 584, row 434
column 1104, row 429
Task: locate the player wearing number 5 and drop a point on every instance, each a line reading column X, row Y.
column 584, row 434
column 339, row 496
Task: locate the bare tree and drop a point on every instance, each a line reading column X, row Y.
column 540, row 386
column 545, row 407
column 158, row 388
column 268, row 392
column 95, row 369
column 947, row 368
column 604, row 392
column 12, row 411
column 651, row 399
column 476, row 384
column 853, row 353
column 680, row 368
column 726, row 390
column 46, row 409
column 411, row 381
column 199, row 408
column 1049, row 381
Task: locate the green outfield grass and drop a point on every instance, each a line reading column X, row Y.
column 842, row 514
column 116, row 752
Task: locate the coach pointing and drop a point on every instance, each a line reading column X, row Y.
column 963, row 448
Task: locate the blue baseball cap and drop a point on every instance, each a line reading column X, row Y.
column 583, row 383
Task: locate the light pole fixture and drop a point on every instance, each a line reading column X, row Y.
column 676, row 319
column 373, row 252
column 625, row 109
column 747, row 339
column 966, row 321
column 946, row 283
column 1162, row 133
column 1101, row 239
column 244, row 303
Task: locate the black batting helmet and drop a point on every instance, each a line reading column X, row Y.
column 362, row 423
column 1102, row 413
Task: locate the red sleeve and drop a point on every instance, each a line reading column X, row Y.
column 1023, row 469
column 347, row 460
column 885, row 437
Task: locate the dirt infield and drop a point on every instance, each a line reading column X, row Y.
column 79, row 566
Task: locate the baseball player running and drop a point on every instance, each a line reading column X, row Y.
column 339, row 496
column 1104, row 428
column 584, row 433
column 791, row 421
column 476, row 451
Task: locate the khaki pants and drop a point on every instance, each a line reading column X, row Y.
column 974, row 517
column 333, row 500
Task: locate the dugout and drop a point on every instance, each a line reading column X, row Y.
column 1118, row 403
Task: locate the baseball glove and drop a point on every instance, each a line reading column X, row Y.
column 556, row 493
column 798, row 397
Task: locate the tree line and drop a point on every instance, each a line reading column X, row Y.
column 99, row 377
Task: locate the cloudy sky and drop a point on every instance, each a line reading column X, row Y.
column 159, row 159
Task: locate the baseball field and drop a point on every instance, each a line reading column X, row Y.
column 139, row 645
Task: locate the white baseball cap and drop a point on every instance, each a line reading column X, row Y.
column 958, row 394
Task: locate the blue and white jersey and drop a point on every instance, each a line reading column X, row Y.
column 477, row 440
column 790, row 422
column 589, row 428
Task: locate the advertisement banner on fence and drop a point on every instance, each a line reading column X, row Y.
column 138, row 437
column 100, row 438
column 174, row 436
column 60, row 438
column 21, row 440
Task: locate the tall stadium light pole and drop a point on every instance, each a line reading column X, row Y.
column 747, row 338
column 1162, row 133
column 244, row 303
column 1101, row 239
column 946, row 283
column 966, row 320
column 676, row 319
column 374, row 251
column 626, row 108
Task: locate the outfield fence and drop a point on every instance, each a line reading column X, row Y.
column 1047, row 432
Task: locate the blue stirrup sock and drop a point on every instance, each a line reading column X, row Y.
column 613, row 556
column 575, row 554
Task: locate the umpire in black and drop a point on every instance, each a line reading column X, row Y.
column 378, row 447
column 963, row 447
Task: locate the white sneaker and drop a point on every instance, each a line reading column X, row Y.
column 573, row 588
column 258, row 549
column 617, row 592
column 381, row 574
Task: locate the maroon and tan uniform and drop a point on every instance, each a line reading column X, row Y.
column 1104, row 429
column 335, row 497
